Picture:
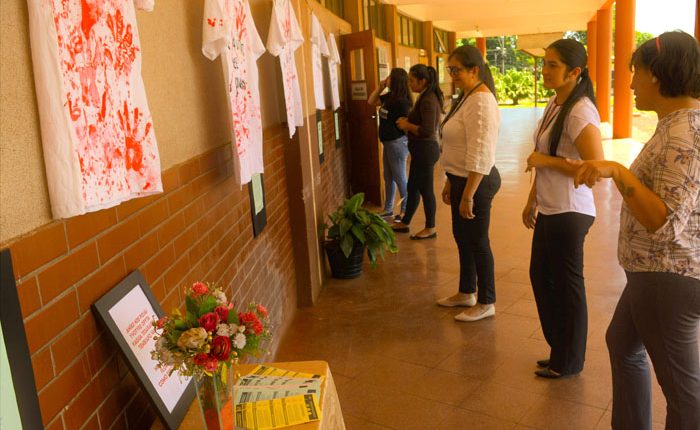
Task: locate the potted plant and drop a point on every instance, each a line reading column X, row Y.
column 352, row 229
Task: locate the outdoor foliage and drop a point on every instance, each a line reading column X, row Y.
column 517, row 85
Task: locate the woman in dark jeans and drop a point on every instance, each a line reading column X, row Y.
column 469, row 135
column 421, row 128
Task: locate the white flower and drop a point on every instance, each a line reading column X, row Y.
column 193, row 338
column 224, row 330
column 241, row 328
column 220, row 297
column 239, row 341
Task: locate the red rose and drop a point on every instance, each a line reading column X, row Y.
column 161, row 322
column 262, row 311
column 209, row 321
column 250, row 320
column 220, row 348
column 207, row 361
column 201, row 359
column 222, row 312
column 199, row 288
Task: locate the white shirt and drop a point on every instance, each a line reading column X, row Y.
column 229, row 31
column 283, row 39
column 319, row 49
column 469, row 136
column 98, row 138
column 555, row 190
column 333, row 63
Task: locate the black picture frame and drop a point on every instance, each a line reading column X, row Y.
column 258, row 208
column 15, row 339
column 102, row 307
column 319, row 135
column 336, row 122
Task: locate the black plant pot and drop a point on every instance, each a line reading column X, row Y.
column 345, row 267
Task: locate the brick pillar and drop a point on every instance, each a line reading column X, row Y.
column 624, row 45
column 481, row 46
column 592, row 57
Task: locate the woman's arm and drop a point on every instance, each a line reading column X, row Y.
column 589, row 147
column 646, row 206
column 530, row 210
column 466, row 205
column 374, row 97
column 403, row 124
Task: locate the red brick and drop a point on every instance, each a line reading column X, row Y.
column 43, row 368
column 119, row 423
column 92, row 424
column 81, row 228
column 102, row 281
column 63, row 389
column 117, row 239
column 56, row 424
column 170, row 229
column 135, row 412
column 50, row 321
column 63, row 273
column 175, row 276
column 183, row 242
column 116, row 402
column 141, row 251
column 153, row 215
column 38, row 248
column 170, row 179
column 189, row 170
column 74, row 341
column 28, row 292
column 79, row 410
column 180, row 198
column 100, row 352
column 161, row 261
column 132, row 206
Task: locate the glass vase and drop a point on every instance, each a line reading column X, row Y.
column 216, row 401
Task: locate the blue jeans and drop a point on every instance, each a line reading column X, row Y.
column 395, row 155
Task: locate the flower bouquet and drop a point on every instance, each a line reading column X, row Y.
column 205, row 344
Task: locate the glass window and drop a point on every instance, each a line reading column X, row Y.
column 335, row 6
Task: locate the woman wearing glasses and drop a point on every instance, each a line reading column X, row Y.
column 659, row 243
column 560, row 213
column 421, row 127
column 469, row 135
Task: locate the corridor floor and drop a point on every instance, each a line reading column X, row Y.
column 401, row 362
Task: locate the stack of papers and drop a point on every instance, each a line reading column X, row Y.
column 271, row 398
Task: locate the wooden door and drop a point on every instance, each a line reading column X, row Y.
column 361, row 79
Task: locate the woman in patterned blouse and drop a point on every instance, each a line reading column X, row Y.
column 659, row 245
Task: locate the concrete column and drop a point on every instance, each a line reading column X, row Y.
column 452, row 41
column 429, row 42
column 624, row 45
column 591, row 36
column 393, row 30
column 481, row 45
column 603, row 55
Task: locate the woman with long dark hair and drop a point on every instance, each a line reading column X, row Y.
column 560, row 213
column 392, row 106
column 469, row 135
column 421, row 127
column 659, row 243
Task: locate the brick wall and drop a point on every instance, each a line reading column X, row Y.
column 335, row 184
column 198, row 229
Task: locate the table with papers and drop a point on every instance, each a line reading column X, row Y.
column 331, row 414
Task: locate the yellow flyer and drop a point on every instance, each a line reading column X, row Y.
column 278, row 413
column 262, row 370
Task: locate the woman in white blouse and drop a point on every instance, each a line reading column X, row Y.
column 469, row 135
column 560, row 213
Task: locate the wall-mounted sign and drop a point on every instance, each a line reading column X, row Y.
column 127, row 312
column 337, row 129
column 319, row 135
column 256, row 194
column 358, row 90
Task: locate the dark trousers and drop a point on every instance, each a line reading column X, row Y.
column 658, row 312
column 424, row 155
column 472, row 236
column 556, row 274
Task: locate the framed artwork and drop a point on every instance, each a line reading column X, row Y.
column 19, row 404
column 337, row 129
column 127, row 312
column 256, row 193
column 319, row 135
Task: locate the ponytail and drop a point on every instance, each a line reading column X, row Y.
column 471, row 57
column 429, row 74
column 573, row 54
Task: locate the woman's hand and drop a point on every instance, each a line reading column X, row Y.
column 536, row 160
column 402, row 123
column 592, row 171
column 466, row 208
column 530, row 214
column 446, row 192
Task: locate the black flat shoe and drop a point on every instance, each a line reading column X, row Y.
column 401, row 229
column 543, row 364
column 430, row 236
column 548, row 373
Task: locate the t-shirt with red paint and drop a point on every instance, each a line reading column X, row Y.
column 98, row 138
column 229, row 32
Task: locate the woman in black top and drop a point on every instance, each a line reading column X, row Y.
column 392, row 106
column 421, row 127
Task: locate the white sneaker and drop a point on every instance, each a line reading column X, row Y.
column 476, row 313
column 458, row 299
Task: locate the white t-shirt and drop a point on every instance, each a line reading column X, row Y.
column 555, row 190
column 99, row 144
column 283, row 39
column 333, row 63
column 319, row 49
column 469, row 136
column 229, row 31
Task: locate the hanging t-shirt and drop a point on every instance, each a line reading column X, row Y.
column 99, row 144
column 229, row 31
column 319, row 49
column 283, row 39
column 333, row 62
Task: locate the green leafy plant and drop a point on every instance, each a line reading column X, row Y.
column 351, row 224
column 517, row 85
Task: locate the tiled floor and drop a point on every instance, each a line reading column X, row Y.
column 401, row 362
